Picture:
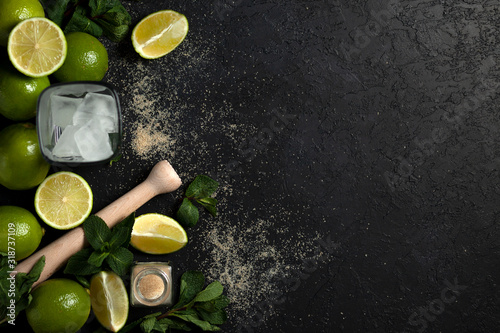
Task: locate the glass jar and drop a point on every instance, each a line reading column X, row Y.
column 79, row 123
column 151, row 284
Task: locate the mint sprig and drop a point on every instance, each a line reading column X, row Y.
column 18, row 297
column 197, row 307
column 198, row 192
column 95, row 17
column 109, row 248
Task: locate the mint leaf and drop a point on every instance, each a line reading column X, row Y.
column 83, row 281
column 119, row 238
column 148, row 324
column 209, row 204
column 205, row 325
column 174, row 324
column 115, row 23
column 192, row 317
column 188, row 214
column 198, row 191
column 127, row 224
column 213, row 305
column 192, row 283
column 55, row 9
column 78, row 263
column 96, row 231
column 120, row 260
column 23, row 282
column 221, row 302
column 211, row 292
column 26, row 280
column 201, row 187
column 99, row 7
column 97, row 257
column 134, row 324
column 80, row 22
column 218, row 317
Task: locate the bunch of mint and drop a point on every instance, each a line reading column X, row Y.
column 95, row 17
column 197, row 307
column 108, row 248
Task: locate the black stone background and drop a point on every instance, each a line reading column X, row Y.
column 374, row 124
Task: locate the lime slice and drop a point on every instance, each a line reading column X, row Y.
column 109, row 300
column 159, row 33
column 157, row 234
column 63, row 200
column 37, row 47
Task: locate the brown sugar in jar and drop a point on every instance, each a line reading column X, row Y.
column 151, row 284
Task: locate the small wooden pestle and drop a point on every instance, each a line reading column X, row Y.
column 162, row 179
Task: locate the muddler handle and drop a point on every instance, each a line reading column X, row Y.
column 162, row 179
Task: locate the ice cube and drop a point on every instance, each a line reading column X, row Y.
column 98, row 106
column 66, row 146
column 93, row 142
column 101, row 104
column 104, row 123
column 62, row 109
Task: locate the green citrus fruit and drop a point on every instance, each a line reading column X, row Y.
column 19, row 93
column 14, row 11
column 86, row 59
column 58, row 305
column 21, row 163
column 19, row 231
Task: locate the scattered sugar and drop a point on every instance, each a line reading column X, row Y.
column 249, row 255
column 149, row 139
column 253, row 259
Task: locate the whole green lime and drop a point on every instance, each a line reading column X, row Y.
column 19, row 93
column 14, row 11
column 86, row 60
column 20, row 231
column 21, row 163
column 58, row 305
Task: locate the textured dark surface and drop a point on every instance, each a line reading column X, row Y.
column 356, row 146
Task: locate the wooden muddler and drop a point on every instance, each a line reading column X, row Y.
column 162, row 179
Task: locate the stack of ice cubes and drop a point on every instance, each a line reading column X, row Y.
column 82, row 126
